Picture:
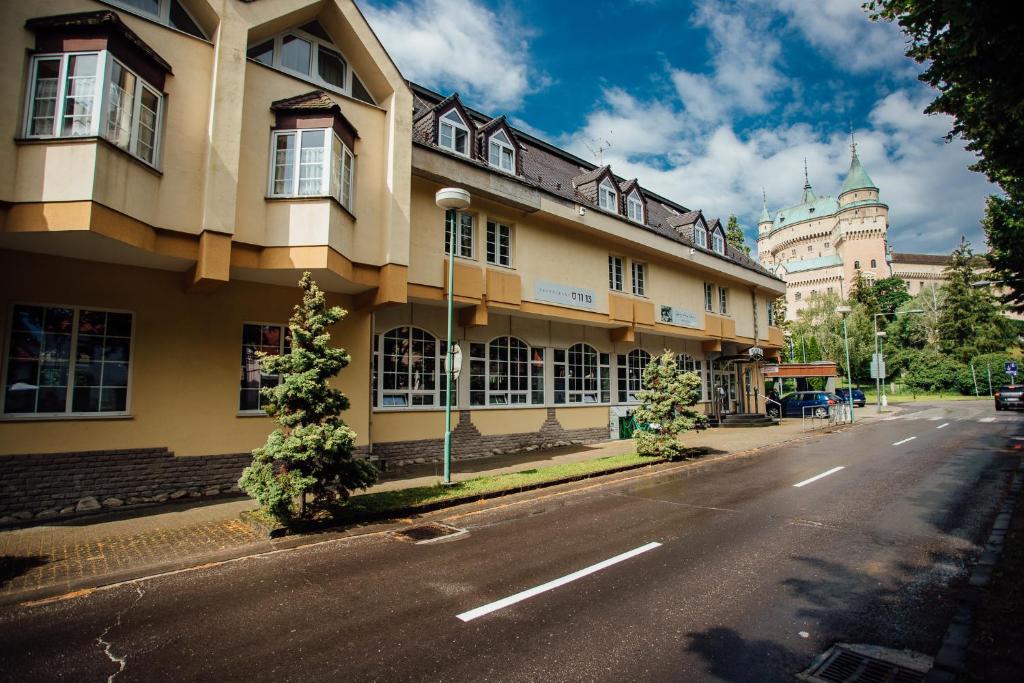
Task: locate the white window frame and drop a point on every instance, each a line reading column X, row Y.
column 281, row 346
column 440, row 377
column 635, row 207
column 616, row 273
column 631, row 374
column 639, row 278
column 314, row 61
column 717, row 242
column 463, row 221
column 723, row 301
column 608, row 196
column 332, row 171
column 602, row 364
column 454, row 126
column 493, row 243
column 101, row 103
column 163, row 15
column 503, row 398
column 497, row 148
column 709, row 297
column 700, row 236
column 68, row 413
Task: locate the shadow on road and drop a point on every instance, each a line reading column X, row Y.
column 12, row 566
column 730, row 657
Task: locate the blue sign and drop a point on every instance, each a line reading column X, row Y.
column 1011, row 368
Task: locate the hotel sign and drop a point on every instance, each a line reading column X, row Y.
column 564, row 295
column 678, row 316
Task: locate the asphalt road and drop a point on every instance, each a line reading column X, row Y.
column 753, row 577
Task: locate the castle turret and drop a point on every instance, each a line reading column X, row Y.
column 808, row 192
column 858, row 185
column 764, row 223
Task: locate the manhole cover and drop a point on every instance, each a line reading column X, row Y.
column 868, row 664
column 426, row 533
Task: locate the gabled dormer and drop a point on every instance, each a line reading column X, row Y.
column 449, row 126
column 599, row 187
column 497, row 144
column 691, row 227
column 310, row 53
column 716, row 235
column 635, row 202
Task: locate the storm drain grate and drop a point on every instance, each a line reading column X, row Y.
column 425, row 533
column 847, row 666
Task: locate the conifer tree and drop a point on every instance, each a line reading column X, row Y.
column 861, row 292
column 734, row 235
column 666, row 407
column 310, row 454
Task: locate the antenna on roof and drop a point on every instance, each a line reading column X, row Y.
column 598, row 148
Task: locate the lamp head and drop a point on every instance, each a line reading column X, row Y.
column 452, row 198
column 844, row 310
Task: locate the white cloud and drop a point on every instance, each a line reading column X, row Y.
column 744, row 75
column 460, row 45
column 842, row 31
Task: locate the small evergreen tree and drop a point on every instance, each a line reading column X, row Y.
column 861, row 292
column 734, row 235
column 891, row 293
column 310, row 454
column 666, row 407
column 779, row 313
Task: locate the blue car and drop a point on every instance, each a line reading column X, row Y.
column 858, row 396
column 818, row 404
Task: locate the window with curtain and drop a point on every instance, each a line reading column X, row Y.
column 311, row 162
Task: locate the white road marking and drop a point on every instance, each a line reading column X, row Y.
column 524, row 595
column 805, row 482
column 987, row 419
column 944, row 424
column 904, row 441
column 934, row 419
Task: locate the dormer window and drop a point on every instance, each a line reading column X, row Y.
column 309, row 53
column 635, row 208
column 500, row 153
column 717, row 242
column 453, row 134
column 700, row 236
column 607, row 197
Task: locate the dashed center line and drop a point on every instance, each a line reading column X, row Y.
column 944, row 424
column 537, row 590
column 805, row 482
column 898, row 443
column 987, row 419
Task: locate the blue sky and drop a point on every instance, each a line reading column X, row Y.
column 706, row 102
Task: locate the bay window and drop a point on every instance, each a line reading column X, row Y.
column 312, row 162
column 505, row 372
column 66, row 360
column 81, row 94
column 581, row 375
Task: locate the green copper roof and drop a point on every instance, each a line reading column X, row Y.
column 812, row 263
column 857, row 178
column 816, row 208
column 765, row 216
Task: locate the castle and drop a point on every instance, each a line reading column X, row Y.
column 819, row 244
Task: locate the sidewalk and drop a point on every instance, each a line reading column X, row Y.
column 93, row 551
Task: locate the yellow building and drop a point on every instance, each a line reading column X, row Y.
column 171, row 167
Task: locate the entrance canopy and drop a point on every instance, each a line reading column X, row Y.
column 821, row 368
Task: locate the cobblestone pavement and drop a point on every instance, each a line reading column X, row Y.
column 50, row 560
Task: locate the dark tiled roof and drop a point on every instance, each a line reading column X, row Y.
column 714, row 223
column 923, row 259
column 493, row 123
column 102, row 19
column 313, row 100
column 555, row 171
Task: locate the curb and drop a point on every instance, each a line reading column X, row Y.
column 951, row 659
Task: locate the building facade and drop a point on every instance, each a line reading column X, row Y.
column 169, row 172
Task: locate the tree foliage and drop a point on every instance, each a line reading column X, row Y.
column 734, row 235
column 862, row 292
column 930, row 370
column 666, row 407
column 310, row 454
column 972, row 52
column 890, row 293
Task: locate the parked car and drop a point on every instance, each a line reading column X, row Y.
column 818, row 404
column 858, row 396
column 1010, row 397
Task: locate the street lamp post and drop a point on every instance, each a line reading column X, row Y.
column 845, row 311
column 879, row 382
column 450, row 199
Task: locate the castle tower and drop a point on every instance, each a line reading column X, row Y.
column 808, row 192
column 864, row 224
column 764, row 226
column 858, row 185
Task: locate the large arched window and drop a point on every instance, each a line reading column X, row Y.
column 406, row 368
column 505, row 372
column 630, row 373
column 582, row 375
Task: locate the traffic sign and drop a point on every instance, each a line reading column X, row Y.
column 1011, row 368
column 877, row 366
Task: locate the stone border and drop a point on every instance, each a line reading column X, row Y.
column 951, row 659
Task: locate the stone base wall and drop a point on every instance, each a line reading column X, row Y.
column 468, row 442
column 47, row 486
